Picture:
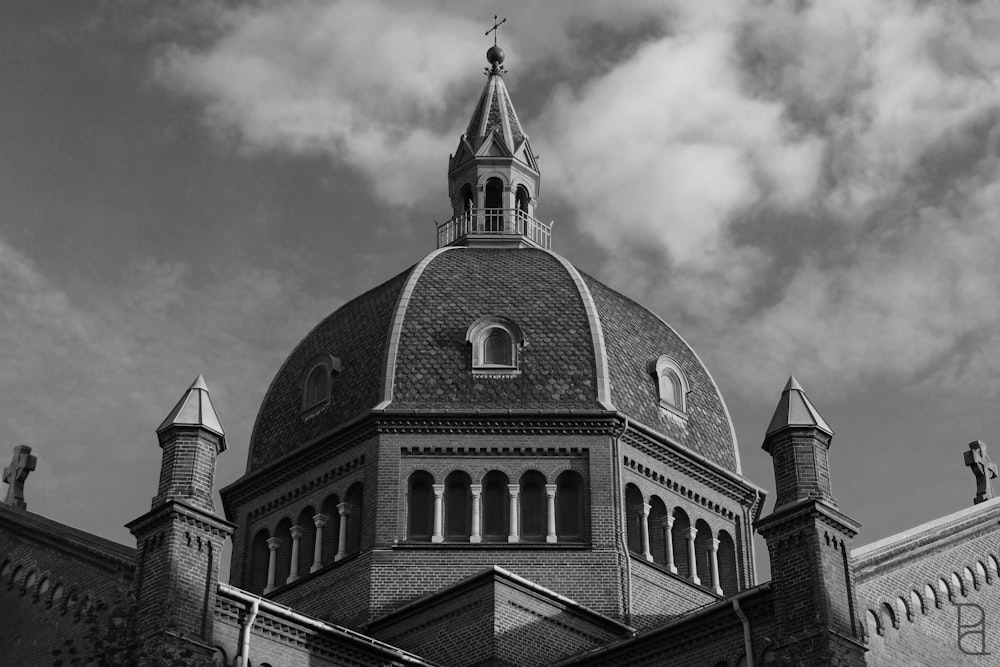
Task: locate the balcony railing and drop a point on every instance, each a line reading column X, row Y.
column 495, row 222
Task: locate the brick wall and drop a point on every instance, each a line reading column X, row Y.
column 49, row 575
column 911, row 588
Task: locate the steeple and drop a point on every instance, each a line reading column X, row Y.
column 493, row 178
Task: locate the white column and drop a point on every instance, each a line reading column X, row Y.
column 692, row 562
column 515, row 491
column 550, row 497
column 669, row 527
column 273, row 544
column 293, row 571
column 644, row 531
column 438, row 535
column 320, row 521
column 477, row 498
column 715, row 567
column 345, row 511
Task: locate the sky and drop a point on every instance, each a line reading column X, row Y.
column 188, row 187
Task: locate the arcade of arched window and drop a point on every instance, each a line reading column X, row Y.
column 496, row 507
column 686, row 546
column 303, row 543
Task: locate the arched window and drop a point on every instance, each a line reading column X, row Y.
column 468, row 203
column 496, row 507
column 331, row 531
column 457, row 507
column 534, row 511
column 497, row 348
column 679, row 533
column 284, row 556
column 420, row 507
column 494, row 214
column 354, row 497
column 728, row 577
column 307, row 541
column 256, row 576
column 658, row 530
column 671, row 384
column 316, row 382
column 633, row 515
column 903, row 609
column 521, row 199
column 494, row 193
column 703, row 552
column 569, row 507
column 495, row 343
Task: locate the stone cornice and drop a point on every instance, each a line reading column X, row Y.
column 71, row 542
column 791, row 518
column 677, row 458
column 308, row 457
column 176, row 510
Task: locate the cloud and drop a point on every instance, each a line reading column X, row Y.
column 806, row 187
column 116, row 358
column 367, row 83
column 798, row 186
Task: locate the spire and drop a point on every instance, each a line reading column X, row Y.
column 795, row 409
column 493, row 178
column 196, row 409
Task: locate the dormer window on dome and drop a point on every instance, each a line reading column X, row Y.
column 671, row 385
column 317, row 381
column 495, row 345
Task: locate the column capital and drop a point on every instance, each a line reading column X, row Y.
column 320, row 520
column 476, row 490
column 645, row 508
column 274, row 543
column 691, row 533
column 715, row 544
column 514, row 489
column 438, row 489
column 550, row 489
column 669, row 520
column 297, row 532
column 344, row 509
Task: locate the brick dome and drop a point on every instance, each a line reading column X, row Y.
column 403, row 346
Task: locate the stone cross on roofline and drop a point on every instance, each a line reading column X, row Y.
column 21, row 464
column 495, row 29
column 983, row 468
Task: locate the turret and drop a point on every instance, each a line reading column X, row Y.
column 809, row 541
column 179, row 542
column 493, row 177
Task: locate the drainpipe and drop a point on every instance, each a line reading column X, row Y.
column 622, row 518
column 247, row 626
column 750, row 533
column 747, row 641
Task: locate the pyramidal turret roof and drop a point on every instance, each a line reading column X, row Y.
column 196, row 409
column 795, row 409
column 495, row 112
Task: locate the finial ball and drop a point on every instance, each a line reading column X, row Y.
column 495, row 55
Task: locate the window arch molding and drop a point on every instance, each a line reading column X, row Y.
column 316, row 380
column 496, row 343
column 671, row 385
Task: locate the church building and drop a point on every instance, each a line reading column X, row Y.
column 494, row 459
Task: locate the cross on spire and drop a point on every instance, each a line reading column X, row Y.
column 983, row 468
column 21, row 464
column 495, row 29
